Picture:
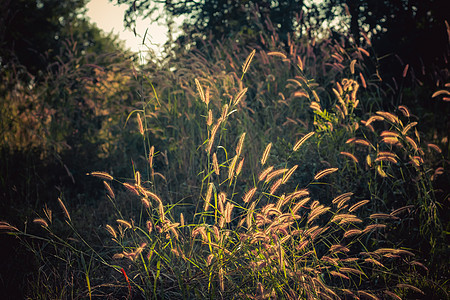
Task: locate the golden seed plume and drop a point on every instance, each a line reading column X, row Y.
column 264, row 173
column 224, row 114
column 216, row 164
column 141, row 127
column 102, row 175
column 350, row 156
column 276, row 53
column 239, row 167
column 137, row 178
column 240, row 143
column 181, row 219
column 289, row 174
column 212, row 136
column 404, row 110
column 275, row 186
column 66, row 212
column 299, row 205
column 200, row 90
column 145, row 202
column 124, row 223
column 358, row 205
column 274, row 174
column 109, row 190
column 208, row 196
column 232, row 168
column 248, row 61
column 266, row 154
column 405, row 71
column 153, row 196
column 210, row 118
column 434, row 147
column 352, row 66
column 41, row 222
column 302, row 140
column 408, row 127
column 150, row 156
column 325, row 172
column 207, row 96
column 240, row 96
column 299, row 63
column 248, row 196
column 363, row 81
column 111, row 230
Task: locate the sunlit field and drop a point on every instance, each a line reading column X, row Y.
column 245, row 168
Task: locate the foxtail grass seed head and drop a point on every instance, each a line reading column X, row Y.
column 149, row 226
column 316, row 96
column 358, row 205
column 212, row 136
column 207, row 96
column 239, row 167
column 102, row 175
column 404, row 111
column 216, row 164
column 289, row 174
column 131, row 188
column 240, row 96
column 200, row 90
column 325, row 173
column 264, row 173
column 248, row 61
column 275, row 186
column 240, row 144
column 299, row 205
column 153, row 196
column 208, row 196
column 391, row 117
column 6, row 226
column 145, row 202
column 66, row 212
column 111, row 231
column 124, row 223
column 41, row 222
column 412, row 143
column 381, row 171
column 222, row 199
column 352, row 232
column 302, row 140
column 161, row 212
column 249, row 214
column 434, row 147
column 276, row 53
column 137, row 178
column 141, row 127
column 248, row 196
column 352, row 66
column 274, row 174
column 232, row 168
column 266, row 154
column 408, row 127
column 224, row 114
column 109, row 190
column 350, row 156
column 342, row 196
column 228, row 209
column 297, row 194
column 151, row 155
column 210, row 118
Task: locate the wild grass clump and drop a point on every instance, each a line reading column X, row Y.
column 264, row 175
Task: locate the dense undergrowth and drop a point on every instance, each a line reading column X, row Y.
column 233, row 170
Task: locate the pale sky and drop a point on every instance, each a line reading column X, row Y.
column 109, row 17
